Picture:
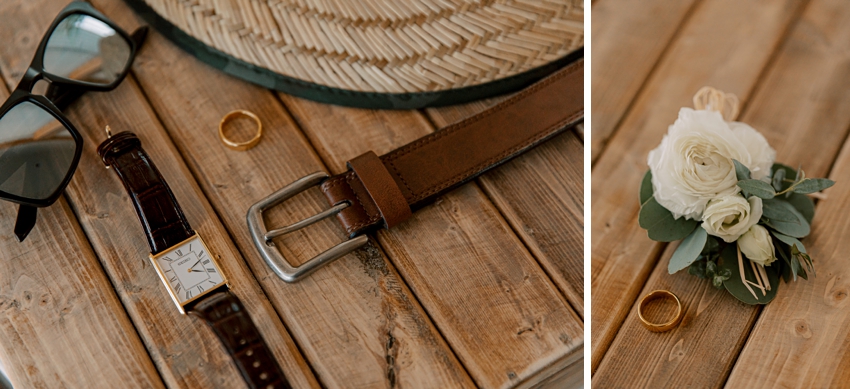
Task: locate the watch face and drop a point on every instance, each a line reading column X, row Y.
column 188, row 270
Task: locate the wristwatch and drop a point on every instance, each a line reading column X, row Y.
column 185, row 264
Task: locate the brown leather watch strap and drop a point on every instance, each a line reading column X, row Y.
column 381, row 192
column 161, row 216
column 166, row 226
column 228, row 319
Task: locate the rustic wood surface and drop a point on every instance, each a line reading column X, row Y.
column 481, row 289
column 441, row 251
column 794, row 89
column 533, row 194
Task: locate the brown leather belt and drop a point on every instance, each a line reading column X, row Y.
column 384, row 191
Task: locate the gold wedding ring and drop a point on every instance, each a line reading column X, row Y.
column 240, row 146
column 658, row 295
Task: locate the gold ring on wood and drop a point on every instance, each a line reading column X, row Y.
column 240, row 146
column 657, row 295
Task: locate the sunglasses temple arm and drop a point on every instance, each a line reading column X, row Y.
column 139, row 36
column 25, row 222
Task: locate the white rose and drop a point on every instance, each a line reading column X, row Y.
column 762, row 155
column 730, row 217
column 756, row 245
column 693, row 164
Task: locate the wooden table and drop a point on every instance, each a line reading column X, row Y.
column 483, row 288
column 788, row 62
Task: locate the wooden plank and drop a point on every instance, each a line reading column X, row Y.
column 469, row 270
column 185, row 350
column 716, row 325
column 622, row 255
column 355, row 321
column 541, row 194
column 629, row 38
column 800, row 338
column 61, row 324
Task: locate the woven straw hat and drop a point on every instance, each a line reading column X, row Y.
column 377, row 53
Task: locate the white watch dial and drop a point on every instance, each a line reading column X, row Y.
column 189, row 270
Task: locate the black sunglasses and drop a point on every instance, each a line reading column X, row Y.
column 39, row 147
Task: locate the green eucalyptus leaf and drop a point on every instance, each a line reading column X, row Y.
column 799, row 253
column 717, row 282
column 803, row 204
column 790, row 241
column 778, row 209
column 798, row 229
column 789, row 173
column 784, row 253
column 697, row 269
column 798, row 268
column 688, row 251
column 786, row 272
column 778, row 177
column 711, row 246
column 812, row 185
column 741, row 171
column 729, row 260
column 646, row 187
column 660, row 224
column 757, row 188
column 710, row 268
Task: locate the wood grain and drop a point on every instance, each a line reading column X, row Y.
column 541, row 194
column 698, row 353
column 800, row 339
column 469, row 270
column 355, row 320
column 186, row 352
column 636, row 30
column 61, row 324
column 622, row 255
column 712, row 334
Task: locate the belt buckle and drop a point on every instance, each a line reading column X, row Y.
column 263, row 238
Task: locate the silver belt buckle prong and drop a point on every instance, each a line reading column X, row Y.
column 263, row 237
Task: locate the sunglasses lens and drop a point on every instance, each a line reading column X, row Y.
column 36, row 152
column 83, row 48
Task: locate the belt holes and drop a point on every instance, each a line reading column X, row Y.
column 263, row 376
column 256, row 363
column 249, row 353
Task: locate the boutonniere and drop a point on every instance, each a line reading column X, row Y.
column 713, row 183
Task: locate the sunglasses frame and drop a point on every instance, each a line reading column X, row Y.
column 36, row 72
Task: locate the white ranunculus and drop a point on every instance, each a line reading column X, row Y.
column 756, row 245
column 730, row 217
column 693, row 163
column 762, row 155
